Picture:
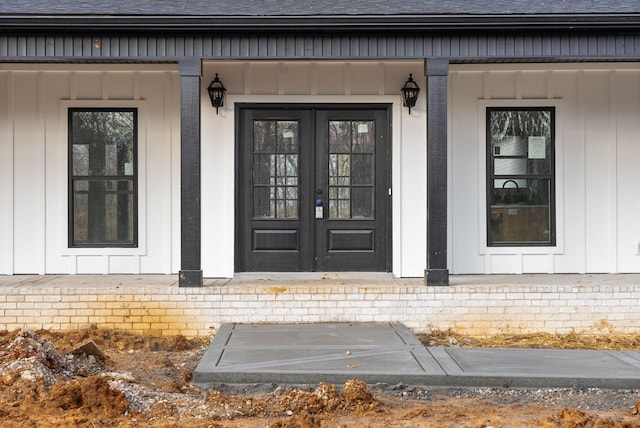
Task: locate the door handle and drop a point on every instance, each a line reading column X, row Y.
column 319, row 209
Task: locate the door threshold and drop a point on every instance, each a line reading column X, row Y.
column 310, row 276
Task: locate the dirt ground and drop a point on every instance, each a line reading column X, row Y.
column 103, row 378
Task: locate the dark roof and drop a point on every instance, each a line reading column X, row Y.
column 316, row 7
column 298, row 14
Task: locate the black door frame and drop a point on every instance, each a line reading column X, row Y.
column 315, row 107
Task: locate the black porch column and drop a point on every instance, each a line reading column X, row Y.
column 437, row 273
column 190, row 267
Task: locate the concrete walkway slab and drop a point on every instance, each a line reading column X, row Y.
column 390, row 353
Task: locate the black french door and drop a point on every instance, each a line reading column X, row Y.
column 313, row 188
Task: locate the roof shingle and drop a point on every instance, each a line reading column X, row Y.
column 275, row 8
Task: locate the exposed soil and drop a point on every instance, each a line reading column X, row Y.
column 103, row 378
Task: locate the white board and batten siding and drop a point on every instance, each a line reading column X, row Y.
column 597, row 166
column 597, row 160
column 33, row 166
column 330, row 82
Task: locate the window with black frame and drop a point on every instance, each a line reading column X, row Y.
column 520, row 176
column 103, row 177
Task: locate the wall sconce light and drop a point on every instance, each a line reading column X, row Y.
column 216, row 92
column 410, row 92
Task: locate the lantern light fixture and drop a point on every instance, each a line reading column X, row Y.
column 410, row 92
column 216, row 92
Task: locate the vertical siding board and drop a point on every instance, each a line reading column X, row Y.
column 467, row 46
column 21, row 46
column 161, row 47
column 454, row 47
column 6, row 173
column 206, row 47
column 32, row 43
column 87, row 46
column 294, row 47
column 132, row 46
column 608, row 46
column 437, row 46
column 187, row 49
column 75, row 46
column 309, row 44
column 49, row 45
column 630, row 45
column 29, row 178
column 260, row 47
column 326, row 47
column 11, row 46
column 548, row 45
column 481, row 46
column 5, row 46
column 124, row 47
column 622, row 45
column 152, row 47
column 197, row 46
column 374, row 46
column 172, row 47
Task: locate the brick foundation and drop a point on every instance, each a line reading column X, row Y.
column 166, row 309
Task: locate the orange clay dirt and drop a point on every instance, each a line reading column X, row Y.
column 103, row 378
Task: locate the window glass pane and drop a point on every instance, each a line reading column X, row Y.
column 80, row 159
column 509, row 166
column 103, row 143
column 520, row 176
column 522, row 215
column 103, row 212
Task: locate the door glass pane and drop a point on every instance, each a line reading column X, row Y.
column 275, row 169
column 363, row 136
column 362, row 202
column 264, row 136
column 339, row 136
column 363, row 172
column 287, row 137
column 351, row 169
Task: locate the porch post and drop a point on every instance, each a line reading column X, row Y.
column 190, row 266
column 437, row 71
